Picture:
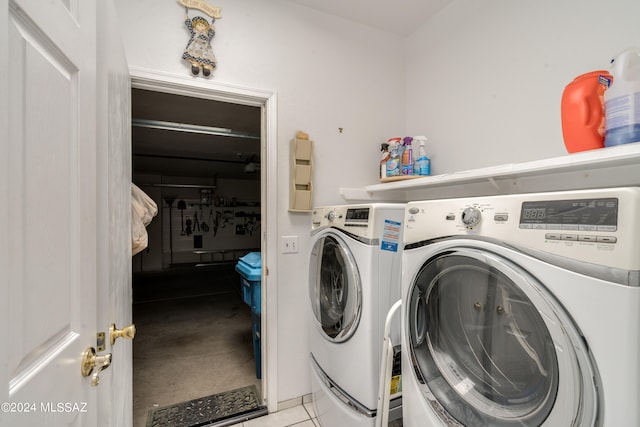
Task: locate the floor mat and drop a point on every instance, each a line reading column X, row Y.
column 220, row 409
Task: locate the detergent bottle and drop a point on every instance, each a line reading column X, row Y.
column 582, row 110
column 423, row 162
column 622, row 100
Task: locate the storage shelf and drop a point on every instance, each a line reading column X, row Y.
column 606, row 167
column 301, row 187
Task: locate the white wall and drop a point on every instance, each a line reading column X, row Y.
column 328, row 73
column 485, row 79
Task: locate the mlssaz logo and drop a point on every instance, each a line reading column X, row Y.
column 66, row 407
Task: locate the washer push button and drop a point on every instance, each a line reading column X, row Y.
column 607, row 239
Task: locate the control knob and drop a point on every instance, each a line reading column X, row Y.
column 331, row 216
column 471, row 216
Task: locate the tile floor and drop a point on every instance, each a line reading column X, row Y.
column 300, row 416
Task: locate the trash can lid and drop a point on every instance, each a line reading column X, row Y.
column 252, row 259
column 250, row 266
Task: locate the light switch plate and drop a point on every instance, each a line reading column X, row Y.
column 289, row 244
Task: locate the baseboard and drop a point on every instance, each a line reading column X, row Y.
column 296, row 401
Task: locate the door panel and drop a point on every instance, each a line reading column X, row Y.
column 335, row 289
column 33, row 174
column 489, row 344
column 486, row 339
column 114, row 215
column 51, row 213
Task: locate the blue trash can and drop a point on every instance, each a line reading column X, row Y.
column 250, row 269
column 257, row 350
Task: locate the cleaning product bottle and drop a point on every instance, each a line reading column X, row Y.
column 424, row 163
column 385, row 158
column 582, row 111
column 393, row 164
column 407, row 157
column 622, row 100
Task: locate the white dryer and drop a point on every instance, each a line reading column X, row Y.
column 354, row 278
column 522, row 310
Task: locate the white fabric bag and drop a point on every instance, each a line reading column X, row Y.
column 143, row 209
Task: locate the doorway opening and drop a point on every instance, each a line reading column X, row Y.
column 200, row 160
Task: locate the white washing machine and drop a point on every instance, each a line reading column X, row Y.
column 522, row 310
column 354, row 278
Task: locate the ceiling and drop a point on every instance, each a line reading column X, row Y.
column 400, row 17
column 192, row 151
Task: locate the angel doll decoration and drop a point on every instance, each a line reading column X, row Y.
column 198, row 51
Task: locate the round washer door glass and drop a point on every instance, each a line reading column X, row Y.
column 335, row 290
column 479, row 344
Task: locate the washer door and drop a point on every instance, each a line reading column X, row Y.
column 335, row 289
column 491, row 347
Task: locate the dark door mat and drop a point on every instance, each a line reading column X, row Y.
column 222, row 409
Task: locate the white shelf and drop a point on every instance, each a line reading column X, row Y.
column 607, row 167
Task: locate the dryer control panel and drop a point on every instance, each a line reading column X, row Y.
column 598, row 226
column 366, row 221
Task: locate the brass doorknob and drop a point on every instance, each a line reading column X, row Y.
column 91, row 361
column 128, row 332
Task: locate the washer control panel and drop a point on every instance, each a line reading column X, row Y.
column 598, row 226
column 579, row 220
column 575, row 214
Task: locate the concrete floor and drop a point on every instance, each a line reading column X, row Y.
column 193, row 339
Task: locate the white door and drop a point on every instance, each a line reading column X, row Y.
column 115, row 394
column 51, row 185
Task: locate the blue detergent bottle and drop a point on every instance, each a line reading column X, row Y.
column 423, row 162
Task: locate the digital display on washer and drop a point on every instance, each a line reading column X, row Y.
column 583, row 212
column 357, row 215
